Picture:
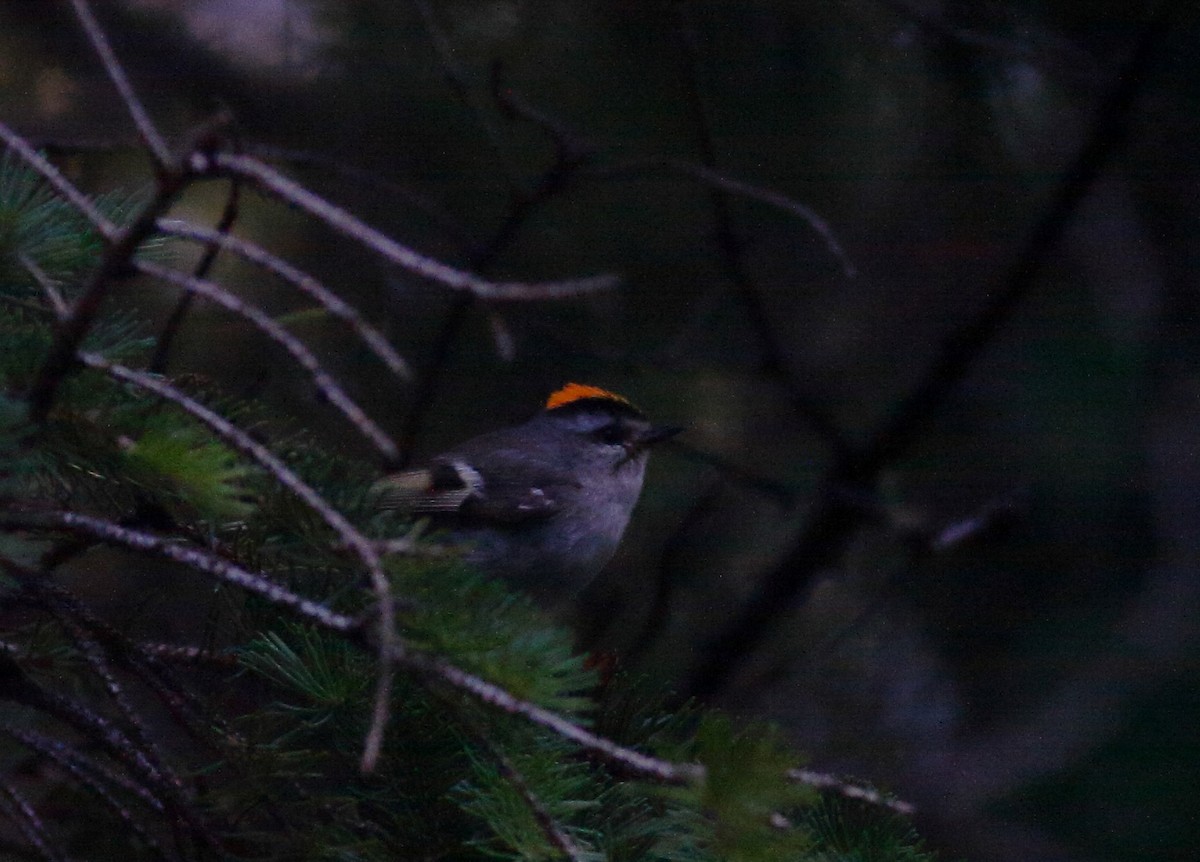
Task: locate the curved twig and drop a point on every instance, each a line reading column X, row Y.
column 157, row 147
column 330, row 301
column 322, row 379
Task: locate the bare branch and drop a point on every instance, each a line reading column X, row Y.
column 62, row 753
column 277, row 185
column 150, row 136
column 733, row 253
column 329, row 388
column 331, row 302
column 457, row 80
column 869, row 795
column 632, row 762
column 72, row 195
column 96, row 660
column 72, row 762
column 198, row 559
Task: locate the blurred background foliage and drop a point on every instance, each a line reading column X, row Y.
column 1031, row 688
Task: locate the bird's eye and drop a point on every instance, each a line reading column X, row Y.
column 611, row 434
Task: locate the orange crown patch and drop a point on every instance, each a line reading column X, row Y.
column 573, row 392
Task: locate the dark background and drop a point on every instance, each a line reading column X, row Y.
column 1030, row 682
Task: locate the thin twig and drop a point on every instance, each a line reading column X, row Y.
column 347, row 533
column 138, row 659
column 71, row 762
column 94, row 657
column 330, row 301
column 49, row 289
column 553, row 832
column 62, row 753
column 270, row 181
column 733, row 253
column 229, row 213
column 522, row 205
column 863, row 793
column 28, row 823
column 707, row 176
column 457, row 80
column 150, row 136
column 632, row 762
column 329, row 388
column 374, row 180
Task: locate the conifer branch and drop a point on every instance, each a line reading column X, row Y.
column 329, row 388
column 549, row 826
column 632, row 762
column 118, row 255
column 52, row 175
column 139, row 659
column 371, row 337
column 98, row 664
column 275, row 184
column 149, row 134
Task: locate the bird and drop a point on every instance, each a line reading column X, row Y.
column 541, row 505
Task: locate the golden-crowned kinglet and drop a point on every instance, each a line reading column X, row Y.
column 542, row 504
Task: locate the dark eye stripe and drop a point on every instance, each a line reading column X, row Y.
column 612, row 434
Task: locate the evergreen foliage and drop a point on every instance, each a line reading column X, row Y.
column 249, row 748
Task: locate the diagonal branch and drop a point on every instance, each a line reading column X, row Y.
column 329, row 388
column 302, row 281
column 159, row 152
column 349, row 535
column 52, row 175
column 190, row 556
column 123, row 244
column 166, row 339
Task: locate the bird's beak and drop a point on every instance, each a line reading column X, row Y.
column 657, row 434
column 642, row 442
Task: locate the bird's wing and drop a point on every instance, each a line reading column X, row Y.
column 452, row 486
